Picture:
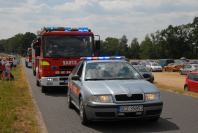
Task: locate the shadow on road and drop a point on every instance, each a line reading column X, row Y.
column 56, row 91
column 134, row 126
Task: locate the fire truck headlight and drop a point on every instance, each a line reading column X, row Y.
column 49, row 79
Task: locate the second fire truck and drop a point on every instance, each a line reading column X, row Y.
column 57, row 50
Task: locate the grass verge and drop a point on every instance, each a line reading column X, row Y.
column 17, row 113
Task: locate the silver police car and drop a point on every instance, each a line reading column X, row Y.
column 109, row 88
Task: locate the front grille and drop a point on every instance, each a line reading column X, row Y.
column 133, row 97
column 63, row 83
column 105, row 114
column 64, row 68
column 63, row 78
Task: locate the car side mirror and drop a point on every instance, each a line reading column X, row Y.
column 146, row 76
column 75, row 77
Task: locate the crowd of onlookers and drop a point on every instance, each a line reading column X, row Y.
column 7, row 63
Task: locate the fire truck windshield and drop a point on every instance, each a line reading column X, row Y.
column 56, row 46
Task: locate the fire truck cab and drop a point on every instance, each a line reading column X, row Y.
column 57, row 50
column 28, row 59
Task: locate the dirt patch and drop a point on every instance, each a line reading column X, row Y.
column 172, row 81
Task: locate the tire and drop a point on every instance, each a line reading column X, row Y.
column 44, row 89
column 186, row 88
column 38, row 83
column 34, row 72
column 70, row 104
column 83, row 116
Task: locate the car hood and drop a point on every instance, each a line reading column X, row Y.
column 120, row 87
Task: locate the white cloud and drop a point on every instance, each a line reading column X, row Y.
column 135, row 18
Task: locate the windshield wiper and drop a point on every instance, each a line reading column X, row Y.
column 94, row 79
column 121, row 78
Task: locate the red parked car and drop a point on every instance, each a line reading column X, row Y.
column 191, row 82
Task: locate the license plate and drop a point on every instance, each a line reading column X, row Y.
column 135, row 108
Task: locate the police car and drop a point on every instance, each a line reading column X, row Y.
column 109, row 88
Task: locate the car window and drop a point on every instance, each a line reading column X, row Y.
column 110, row 71
column 196, row 66
column 193, row 77
column 187, row 66
column 79, row 73
column 76, row 68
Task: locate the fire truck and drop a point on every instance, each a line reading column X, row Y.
column 57, row 50
column 28, row 59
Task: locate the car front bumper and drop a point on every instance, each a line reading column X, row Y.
column 110, row 112
column 54, row 81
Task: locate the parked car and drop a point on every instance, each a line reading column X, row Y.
column 191, row 83
column 189, row 68
column 165, row 62
column 173, row 67
column 155, row 67
column 109, row 88
column 134, row 63
column 146, row 73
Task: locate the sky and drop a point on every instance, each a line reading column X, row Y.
column 108, row 18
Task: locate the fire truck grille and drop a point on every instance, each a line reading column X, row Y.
column 66, row 68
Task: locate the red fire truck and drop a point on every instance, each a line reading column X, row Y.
column 28, row 59
column 57, row 50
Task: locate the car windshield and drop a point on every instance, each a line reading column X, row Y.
column 67, row 46
column 155, row 64
column 193, row 76
column 110, row 71
column 141, row 69
column 196, row 66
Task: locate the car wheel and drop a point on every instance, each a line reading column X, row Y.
column 38, row 83
column 44, row 89
column 34, row 73
column 83, row 117
column 186, row 88
column 70, row 104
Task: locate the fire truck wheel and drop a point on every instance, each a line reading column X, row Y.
column 44, row 89
column 34, row 73
column 38, row 83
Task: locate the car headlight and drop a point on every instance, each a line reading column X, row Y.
column 152, row 96
column 101, row 99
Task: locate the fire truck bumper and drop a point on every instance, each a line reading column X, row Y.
column 54, row 81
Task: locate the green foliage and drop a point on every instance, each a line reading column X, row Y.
column 17, row 44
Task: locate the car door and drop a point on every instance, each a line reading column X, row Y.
column 192, row 82
column 76, row 85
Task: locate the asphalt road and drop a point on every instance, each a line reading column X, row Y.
column 180, row 114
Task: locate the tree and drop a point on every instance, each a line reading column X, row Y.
column 147, row 49
column 134, row 50
column 123, row 46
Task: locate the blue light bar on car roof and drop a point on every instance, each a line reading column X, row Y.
column 104, row 58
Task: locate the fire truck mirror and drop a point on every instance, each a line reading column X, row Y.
column 97, row 47
column 37, row 51
column 97, row 44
